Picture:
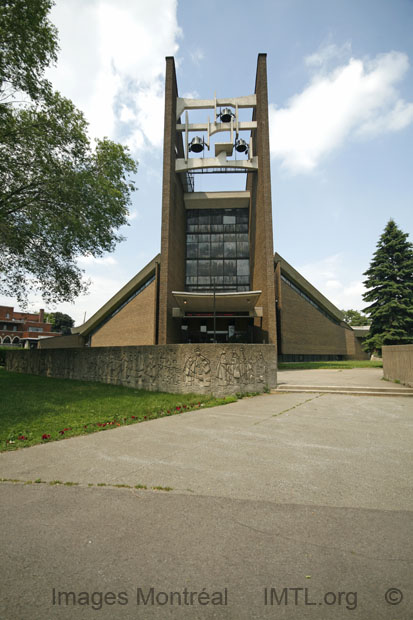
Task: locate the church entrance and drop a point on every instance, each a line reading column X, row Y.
column 203, row 329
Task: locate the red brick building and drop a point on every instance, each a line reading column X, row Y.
column 19, row 328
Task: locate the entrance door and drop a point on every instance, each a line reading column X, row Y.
column 227, row 329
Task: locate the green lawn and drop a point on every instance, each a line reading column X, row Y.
column 341, row 364
column 32, row 407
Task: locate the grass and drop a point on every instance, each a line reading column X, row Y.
column 392, row 380
column 42, row 409
column 89, row 484
column 338, row 364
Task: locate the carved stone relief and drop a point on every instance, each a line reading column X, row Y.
column 236, row 369
column 197, row 371
column 175, row 368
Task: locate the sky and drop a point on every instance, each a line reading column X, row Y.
column 340, row 81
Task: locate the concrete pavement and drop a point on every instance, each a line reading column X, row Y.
column 286, row 448
column 277, row 491
column 100, row 540
column 362, row 377
column 355, row 381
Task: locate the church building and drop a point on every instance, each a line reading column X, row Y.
column 216, row 278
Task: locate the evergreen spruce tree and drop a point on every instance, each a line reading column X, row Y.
column 390, row 290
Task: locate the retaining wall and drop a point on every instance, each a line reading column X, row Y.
column 398, row 363
column 180, row 368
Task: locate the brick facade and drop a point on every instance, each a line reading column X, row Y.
column 355, row 350
column 172, row 270
column 261, row 229
column 17, row 327
column 305, row 331
column 133, row 325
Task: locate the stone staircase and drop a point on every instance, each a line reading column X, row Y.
column 356, row 390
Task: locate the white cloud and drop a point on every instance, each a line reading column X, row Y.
column 396, row 119
column 126, row 114
column 197, row 55
column 112, row 63
column 190, row 95
column 91, row 260
column 132, row 215
column 329, row 276
column 149, row 106
column 333, row 285
column 100, row 291
column 327, row 53
column 357, row 98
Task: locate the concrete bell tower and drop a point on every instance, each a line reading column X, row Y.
column 216, row 280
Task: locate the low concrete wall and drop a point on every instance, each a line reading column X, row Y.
column 398, row 363
column 71, row 341
column 180, row 368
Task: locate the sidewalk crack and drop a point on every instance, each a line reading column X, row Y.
column 275, row 415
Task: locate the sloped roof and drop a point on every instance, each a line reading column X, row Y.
column 118, row 299
column 293, row 275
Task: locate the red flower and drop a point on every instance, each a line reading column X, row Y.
column 21, row 437
column 133, row 417
column 62, row 432
column 184, row 406
column 45, row 436
column 144, row 417
column 178, row 408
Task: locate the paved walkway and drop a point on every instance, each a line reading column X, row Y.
column 280, row 490
column 362, row 377
column 361, row 381
column 287, row 448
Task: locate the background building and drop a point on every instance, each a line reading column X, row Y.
column 23, row 328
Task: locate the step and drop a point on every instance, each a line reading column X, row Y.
column 346, row 388
column 352, row 390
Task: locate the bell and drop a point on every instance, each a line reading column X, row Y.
column 197, row 145
column 226, row 115
column 241, row 146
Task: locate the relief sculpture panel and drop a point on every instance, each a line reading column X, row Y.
column 217, row 369
column 197, row 371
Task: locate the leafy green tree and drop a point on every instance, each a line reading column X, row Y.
column 354, row 317
column 28, row 45
column 60, row 198
column 60, row 322
column 390, row 290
